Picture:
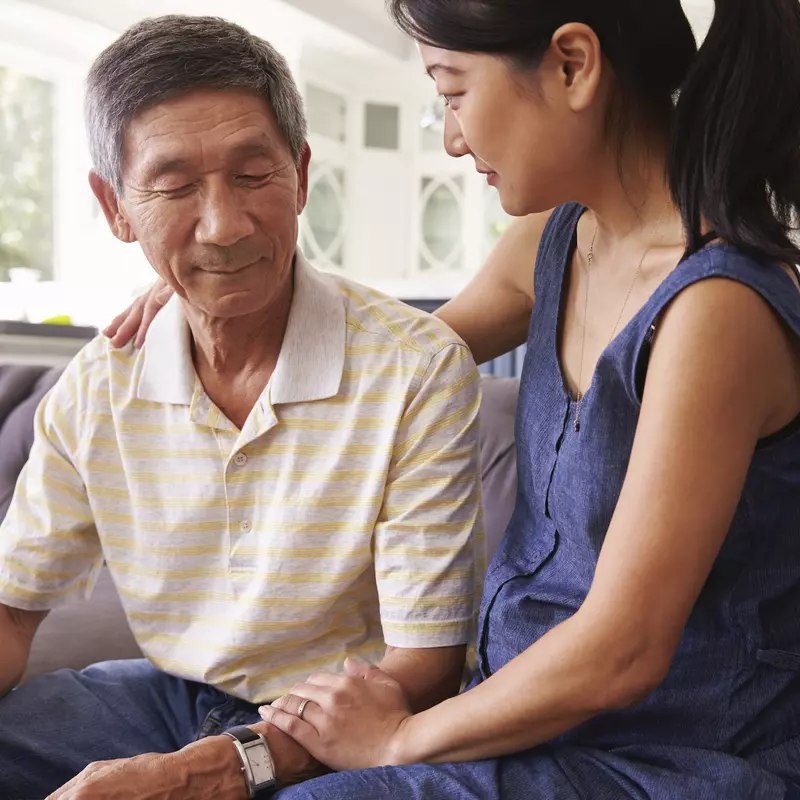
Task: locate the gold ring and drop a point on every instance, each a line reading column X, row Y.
column 301, row 708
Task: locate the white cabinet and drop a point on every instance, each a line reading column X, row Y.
column 387, row 206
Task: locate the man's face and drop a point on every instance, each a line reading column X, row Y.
column 212, row 194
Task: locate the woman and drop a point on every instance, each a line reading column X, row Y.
column 639, row 634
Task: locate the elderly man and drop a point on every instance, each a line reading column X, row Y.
column 283, row 476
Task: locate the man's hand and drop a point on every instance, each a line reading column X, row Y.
column 17, row 629
column 206, row 770
column 146, row 777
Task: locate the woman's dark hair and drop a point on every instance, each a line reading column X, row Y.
column 733, row 108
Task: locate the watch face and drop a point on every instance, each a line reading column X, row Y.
column 260, row 763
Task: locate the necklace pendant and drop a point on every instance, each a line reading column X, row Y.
column 577, row 425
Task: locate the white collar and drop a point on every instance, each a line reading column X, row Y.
column 310, row 363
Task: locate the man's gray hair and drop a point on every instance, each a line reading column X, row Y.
column 160, row 58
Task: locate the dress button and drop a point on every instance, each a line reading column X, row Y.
column 240, row 460
column 245, row 525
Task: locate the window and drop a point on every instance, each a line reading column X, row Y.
column 382, row 127
column 327, row 113
column 441, row 204
column 324, row 217
column 26, row 175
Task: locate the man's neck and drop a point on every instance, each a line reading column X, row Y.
column 236, row 356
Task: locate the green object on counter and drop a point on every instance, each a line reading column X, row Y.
column 63, row 319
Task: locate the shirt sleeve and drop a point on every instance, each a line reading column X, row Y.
column 429, row 536
column 49, row 549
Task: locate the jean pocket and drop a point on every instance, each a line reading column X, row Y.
column 780, row 659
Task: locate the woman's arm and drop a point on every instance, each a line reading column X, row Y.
column 493, row 311
column 700, row 421
column 723, row 373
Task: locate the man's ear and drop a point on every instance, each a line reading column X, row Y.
column 302, row 178
column 112, row 209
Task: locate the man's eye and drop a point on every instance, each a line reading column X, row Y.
column 180, row 191
column 253, row 178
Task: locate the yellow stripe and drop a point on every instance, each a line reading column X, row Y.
column 122, row 357
column 356, row 528
column 355, row 324
column 468, row 414
column 44, row 597
column 380, row 316
column 410, row 551
column 445, row 626
column 449, row 391
column 344, row 430
column 377, row 348
column 358, row 608
column 404, row 576
column 62, row 487
column 244, row 651
column 445, row 481
column 205, row 573
column 437, row 456
column 354, row 397
column 63, row 427
column 273, row 449
column 386, row 372
column 236, row 601
column 253, row 501
column 245, row 476
column 84, row 524
column 16, row 567
column 449, row 601
column 391, row 511
column 305, row 668
column 178, row 551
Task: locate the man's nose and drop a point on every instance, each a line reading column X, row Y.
column 224, row 219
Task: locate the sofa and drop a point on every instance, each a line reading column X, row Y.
column 92, row 630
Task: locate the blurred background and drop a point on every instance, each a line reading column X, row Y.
column 386, row 206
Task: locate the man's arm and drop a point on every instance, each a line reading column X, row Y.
column 429, row 534
column 17, row 629
column 429, row 676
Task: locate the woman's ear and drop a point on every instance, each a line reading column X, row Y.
column 579, row 57
column 112, row 209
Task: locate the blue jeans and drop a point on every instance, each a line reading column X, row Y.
column 52, row 727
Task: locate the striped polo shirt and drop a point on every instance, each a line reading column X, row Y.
column 343, row 516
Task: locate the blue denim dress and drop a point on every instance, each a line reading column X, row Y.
column 725, row 724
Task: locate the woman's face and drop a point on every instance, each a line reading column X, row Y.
column 521, row 128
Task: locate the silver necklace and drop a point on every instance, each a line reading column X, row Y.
column 589, row 261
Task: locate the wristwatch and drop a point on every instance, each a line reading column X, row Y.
column 257, row 764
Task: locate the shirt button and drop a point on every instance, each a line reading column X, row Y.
column 240, row 460
column 245, row 525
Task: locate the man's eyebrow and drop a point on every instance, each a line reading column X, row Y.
column 434, row 68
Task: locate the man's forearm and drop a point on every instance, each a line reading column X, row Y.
column 429, row 676
column 17, row 629
column 210, row 768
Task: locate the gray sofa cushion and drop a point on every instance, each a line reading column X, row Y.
column 498, row 457
column 26, row 386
